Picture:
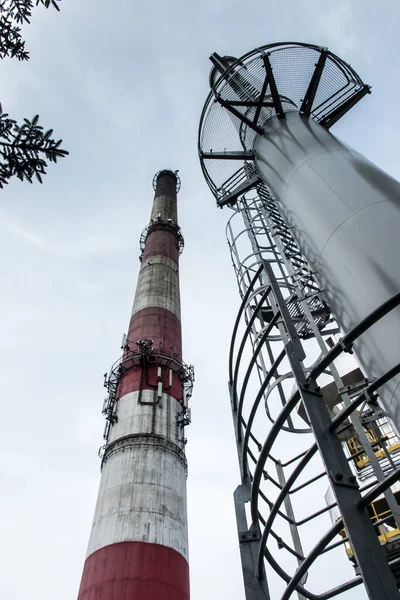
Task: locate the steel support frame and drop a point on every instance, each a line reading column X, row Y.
column 249, row 537
column 376, row 572
column 377, row 576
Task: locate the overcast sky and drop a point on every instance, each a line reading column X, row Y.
column 123, row 83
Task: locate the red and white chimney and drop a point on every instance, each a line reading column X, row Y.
column 138, row 547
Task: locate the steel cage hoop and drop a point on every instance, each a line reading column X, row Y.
column 270, row 504
column 280, row 303
column 255, row 291
column 299, row 588
column 353, row 334
column 278, row 502
column 252, row 362
column 271, row 338
column 285, row 546
column 282, row 417
column 253, row 437
column 241, row 232
column 303, row 591
column 287, row 519
column 263, row 249
column 264, row 496
column 287, row 329
column 345, row 586
column 256, row 225
column 332, row 355
column 310, row 558
column 238, row 319
column 285, row 576
column 246, row 270
column 232, row 239
column 234, row 254
column 255, row 408
column 257, row 401
column 267, row 411
column 267, row 288
column 243, row 342
column 294, row 401
column 282, row 280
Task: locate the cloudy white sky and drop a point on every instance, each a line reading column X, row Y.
column 123, row 83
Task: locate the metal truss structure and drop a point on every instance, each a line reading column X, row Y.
column 319, row 461
column 142, row 357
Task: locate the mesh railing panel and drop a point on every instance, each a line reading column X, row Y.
column 293, row 68
column 335, row 87
column 293, row 65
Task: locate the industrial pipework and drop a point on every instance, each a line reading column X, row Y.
column 314, row 244
column 138, row 547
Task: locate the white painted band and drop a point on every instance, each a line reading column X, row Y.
column 142, row 497
column 164, row 206
column 158, row 285
column 157, row 417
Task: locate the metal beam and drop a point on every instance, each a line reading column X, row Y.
column 251, row 103
column 219, row 62
column 231, row 155
column 313, row 85
column 238, row 114
column 262, row 96
column 255, row 588
column 239, row 191
column 341, row 110
column 272, row 86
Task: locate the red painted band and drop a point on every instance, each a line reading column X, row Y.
column 161, row 242
column 164, row 328
column 158, row 324
column 132, row 381
column 135, row 571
